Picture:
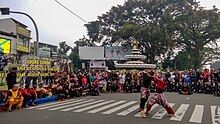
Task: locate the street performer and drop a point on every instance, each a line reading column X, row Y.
column 159, row 98
column 145, row 90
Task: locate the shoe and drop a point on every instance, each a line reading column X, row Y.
column 143, row 114
column 8, row 110
column 26, row 106
column 18, row 108
column 173, row 115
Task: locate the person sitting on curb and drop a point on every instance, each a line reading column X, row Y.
column 29, row 94
column 43, row 92
column 13, row 98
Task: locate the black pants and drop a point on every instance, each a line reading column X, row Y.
column 10, row 85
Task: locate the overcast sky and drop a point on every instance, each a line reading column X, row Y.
column 56, row 24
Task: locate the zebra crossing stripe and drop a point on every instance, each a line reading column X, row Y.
column 100, row 105
column 152, row 108
column 71, row 105
column 161, row 112
column 119, row 107
column 79, row 106
column 215, row 111
column 105, row 107
column 129, row 110
column 180, row 112
column 197, row 114
column 51, row 103
column 60, row 104
column 93, row 106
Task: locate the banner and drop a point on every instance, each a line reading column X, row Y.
column 5, row 46
column 117, row 52
column 29, row 68
column 37, row 62
column 2, row 75
column 33, row 68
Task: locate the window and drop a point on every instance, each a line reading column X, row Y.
column 24, row 41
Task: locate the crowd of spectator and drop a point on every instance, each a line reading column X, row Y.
column 184, row 82
column 194, row 81
column 94, row 83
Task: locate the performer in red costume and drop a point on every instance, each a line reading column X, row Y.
column 159, row 98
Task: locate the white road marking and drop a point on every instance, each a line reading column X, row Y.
column 105, row 107
column 93, row 106
column 197, row 114
column 162, row 112
column 119, row 107
column 51, row 103
column 180, row 112
column 60, row 104
column 129, row 110
column 215, row 111
column 152, row 108
column 75, row 106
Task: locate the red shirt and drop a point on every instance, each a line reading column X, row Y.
column 84, row 80
column 160, row 84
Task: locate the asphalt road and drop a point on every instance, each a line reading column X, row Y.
column 118, row 108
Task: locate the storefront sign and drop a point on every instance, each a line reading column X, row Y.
column 22, row 48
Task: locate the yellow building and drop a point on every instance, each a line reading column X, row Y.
column 14, row 37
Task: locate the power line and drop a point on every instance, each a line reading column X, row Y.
column 71, row 11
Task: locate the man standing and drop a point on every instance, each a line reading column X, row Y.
column 159, row 98
column 145, row 91
column 11, row 78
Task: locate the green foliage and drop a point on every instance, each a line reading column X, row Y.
column 63, row 49
column 111, row 65
column 74, row 57
column 161, row 26
column 198, row 29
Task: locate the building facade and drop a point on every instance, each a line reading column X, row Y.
column 14, row 37
column 45, row 50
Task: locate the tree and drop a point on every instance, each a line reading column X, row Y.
column 63, row 49
column 161, row 27
column 74, row 57
column 145, row 20
column 199, row 31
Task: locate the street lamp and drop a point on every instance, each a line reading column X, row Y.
column 6, row 11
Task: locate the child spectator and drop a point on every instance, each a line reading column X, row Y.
column 101, row 85
column 187, row 79
column 104, row 85
column 121, row 81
